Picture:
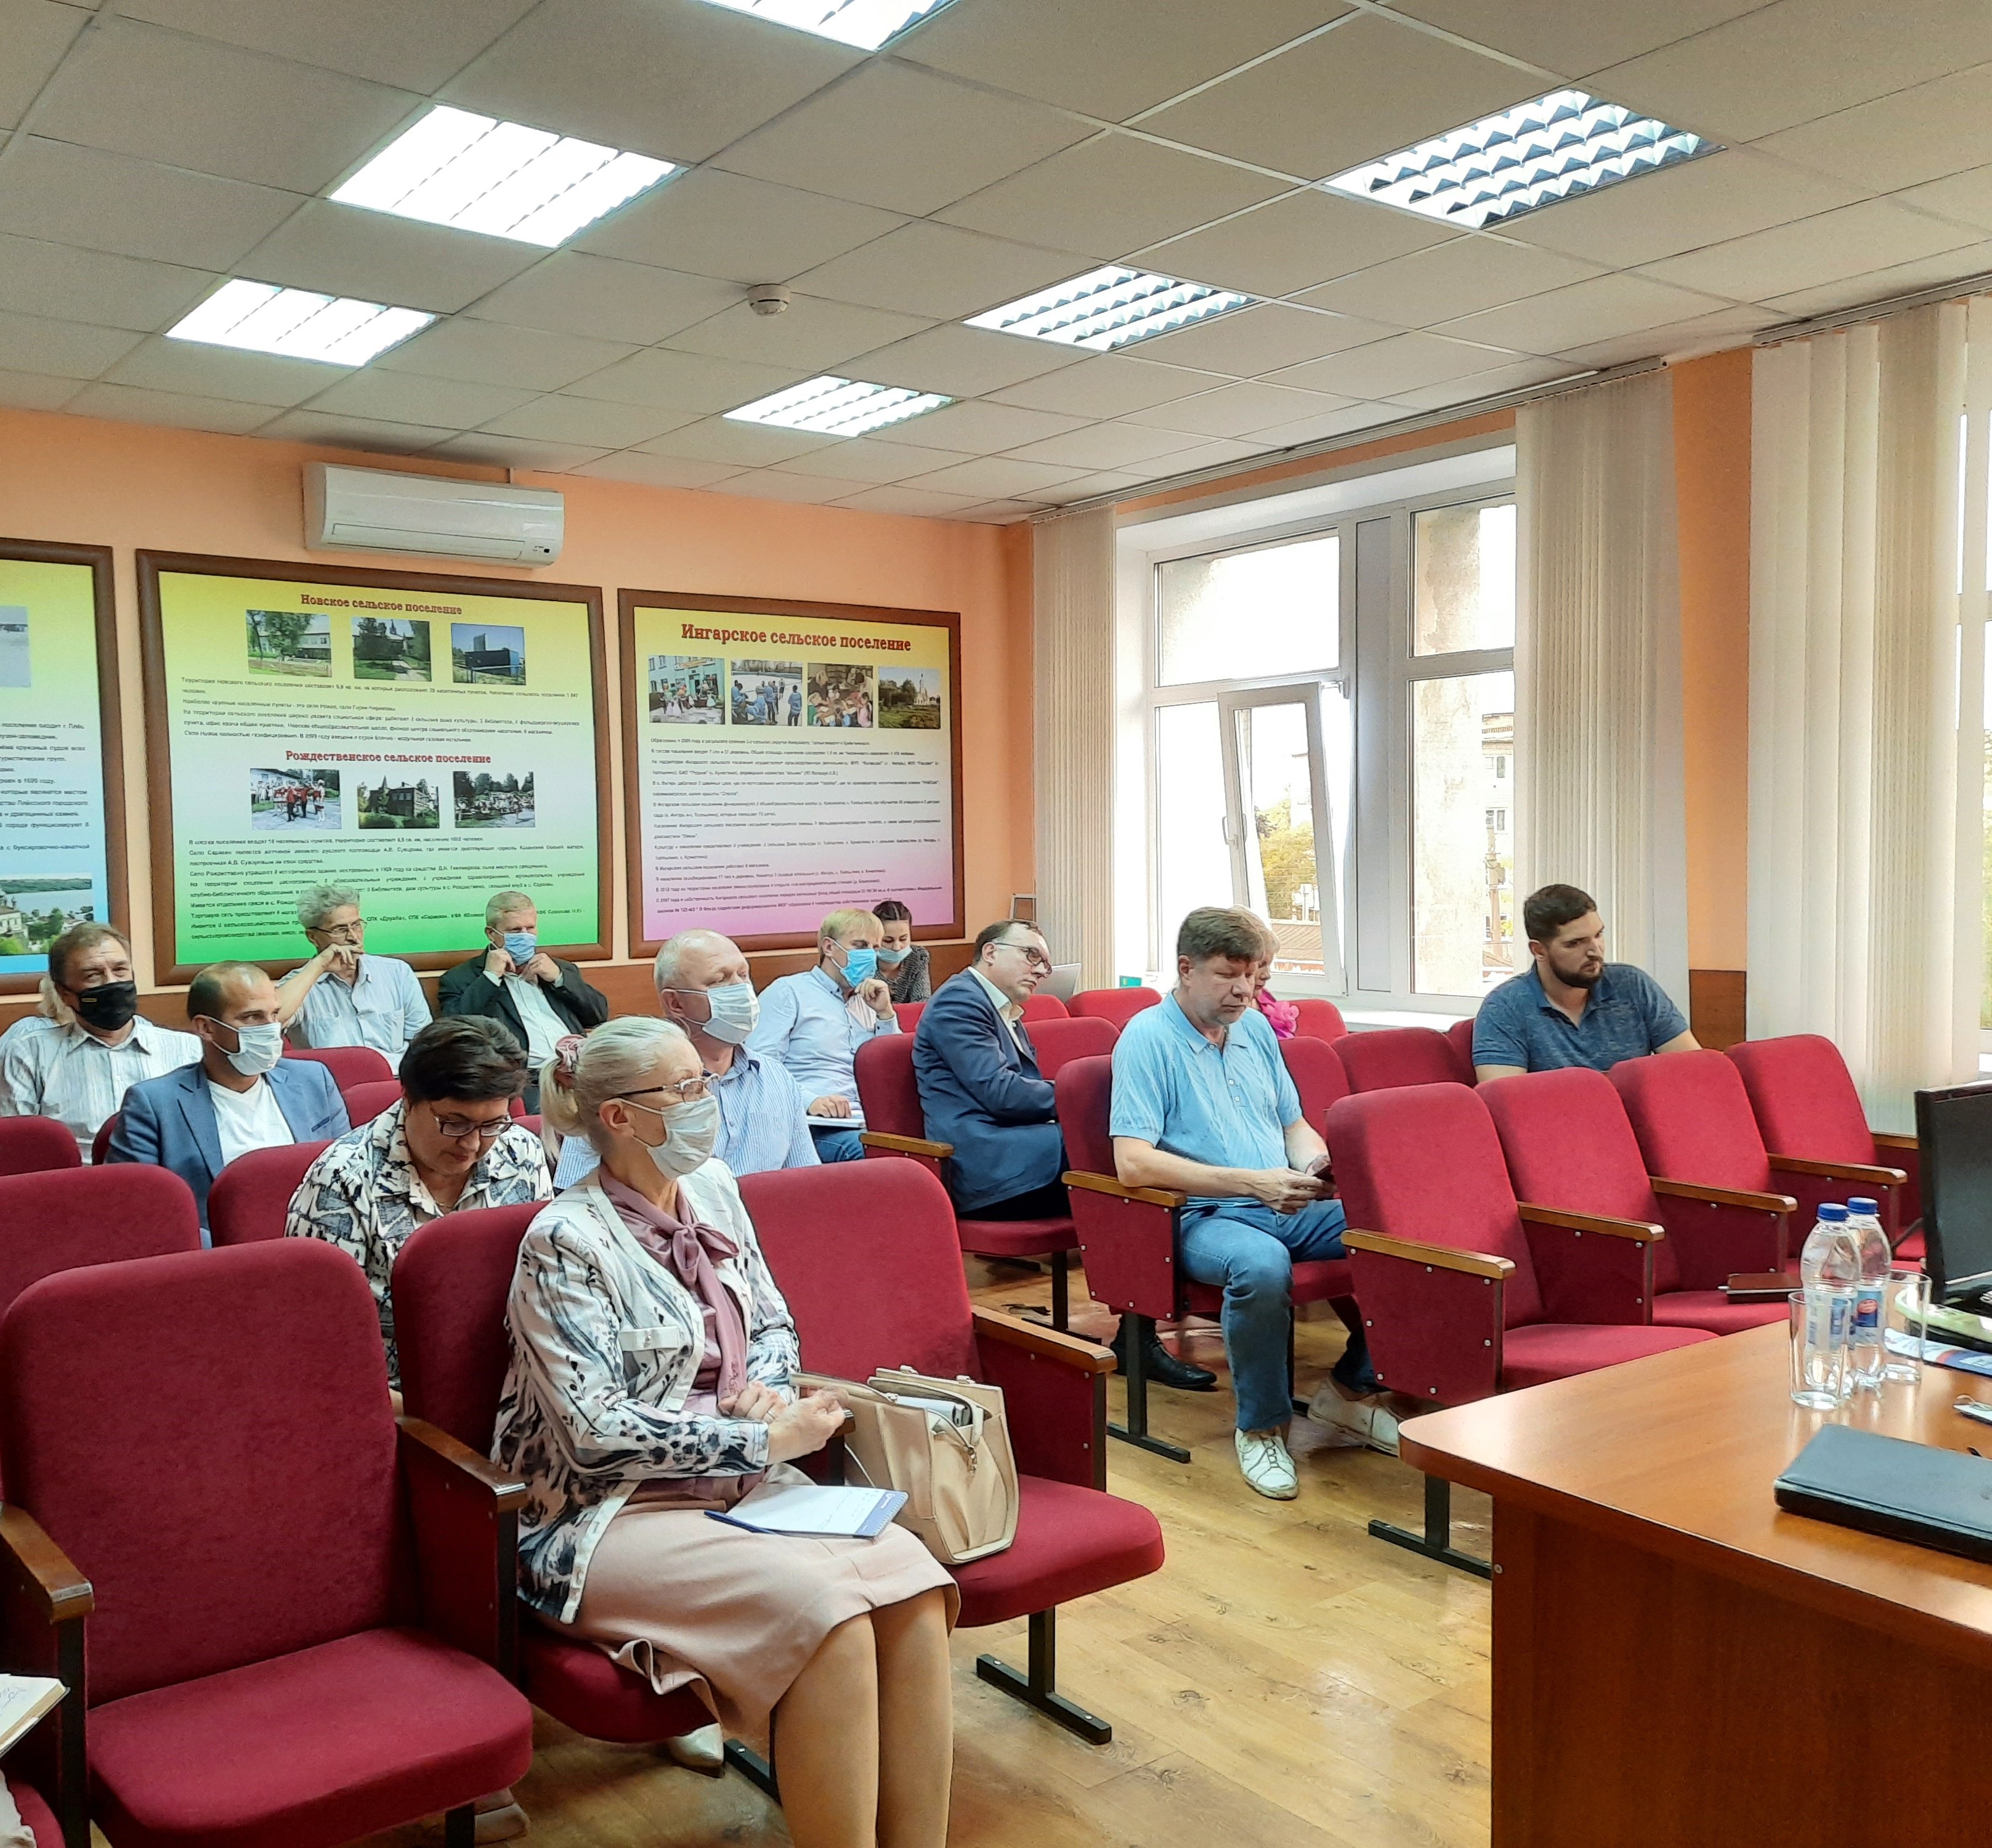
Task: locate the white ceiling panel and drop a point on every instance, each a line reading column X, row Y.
column 811, row 333
column 1372, row 85
column 683, row 381
column 1111, row 195
column 676, row 78
column 963, row 361
column 1214, row 454
column 1966, row 197
column 938, row 271
column 403, row 397
column 894, row 136
column 1679, row 340
column 65, row 349
column 1388, row 367
column 921, row 503
column 591, row 422
column 657, row 471
column 36, row 391
column 1517, row 377
column 1084, row 487
column 1875, row 285
column 36, row 34
column 1238, row 410
column 983, row 429
column 343, row 250
column 193, row 370
column 1253, row 341
column 516, row 452
column 871, row 458
column 992, row 477
column 1936, row 128
column 997, row 513
column 1330, row 423
column 1110, row 445
column 1450, row 280
column 489, row 353
column 1108, row 58
column 571, row 292
column 376, row 436
column 129, row 404
column 1574, row 37
column 104, row 201
column 1283, row 246
column 744, row 445
column 389, row 41
column 1585, row 312
column 777, row 484
column 61, row 280
column 744, row 231
column 134, row 89
column 1108, row 386
column 1815, row 250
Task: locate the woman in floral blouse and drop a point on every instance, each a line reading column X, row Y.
column 650, row 1382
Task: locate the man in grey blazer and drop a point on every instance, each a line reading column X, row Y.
column 242, row 1094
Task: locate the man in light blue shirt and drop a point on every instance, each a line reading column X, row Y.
column 1203, row 1106
column 813, row 1023
column 344, row 997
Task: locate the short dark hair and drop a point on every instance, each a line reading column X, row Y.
column 208, row 991
column 1546, row 911
column 1221, row 930
column 995, row 933
column 469, row 1055
column 890, row 911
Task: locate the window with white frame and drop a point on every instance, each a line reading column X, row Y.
column 1330, row 741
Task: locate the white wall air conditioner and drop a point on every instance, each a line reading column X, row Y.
column 374, row 510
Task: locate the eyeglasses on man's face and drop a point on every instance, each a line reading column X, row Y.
column 461, row 1129
column 351, row 931
column 1033, row 959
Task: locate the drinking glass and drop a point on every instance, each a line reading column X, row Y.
column 1904, row 1310
column 1821, row 1322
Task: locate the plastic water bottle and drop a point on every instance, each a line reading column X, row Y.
column 1829, row 1268
column 1866, row 1355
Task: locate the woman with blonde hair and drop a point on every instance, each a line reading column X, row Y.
column 650, row 1382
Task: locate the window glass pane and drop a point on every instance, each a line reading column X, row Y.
column 1463, row 850
column 1464, row 562
column 1282, row 885
column 1193, row 863
column 1985, row 999
column 1240, row 615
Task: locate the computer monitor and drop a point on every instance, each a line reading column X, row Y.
column 1062, row 984
column 1954, row 1126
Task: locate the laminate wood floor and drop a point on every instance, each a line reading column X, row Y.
column 1284, row 1681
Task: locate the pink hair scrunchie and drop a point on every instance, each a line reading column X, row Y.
column 567, row 1057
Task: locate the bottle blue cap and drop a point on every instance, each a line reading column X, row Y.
column 1833, row 1211
column 1859, row 1206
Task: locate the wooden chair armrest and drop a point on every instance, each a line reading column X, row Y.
column 1641, row 1232
column 1106, row 1184
column 1047, row 1343
column 506, row 1490
column 1440, row 1257
column 1889, row 1139
column 905, row 1145
column 41, row 1568
column 1723, row 1196
column 1839, row 1170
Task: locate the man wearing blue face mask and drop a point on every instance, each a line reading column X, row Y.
column 813, row 1023
column 513, row 981
column 244, row 1094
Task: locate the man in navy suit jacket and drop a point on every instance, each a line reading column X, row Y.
column 241, row 1094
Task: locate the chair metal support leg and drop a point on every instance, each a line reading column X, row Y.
column 1061, row 1289
column 459, row 1826
column 755, row 1768
column 1299, row 1404
column 1436, row 1542
column 1136, row 1430
column 1038, row 1687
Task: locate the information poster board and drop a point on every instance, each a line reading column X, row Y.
column 784, row 759
column 425, row 740
column 62, row 855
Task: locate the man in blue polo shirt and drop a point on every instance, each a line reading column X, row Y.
column 1573, row 1008
column 1203, row 1106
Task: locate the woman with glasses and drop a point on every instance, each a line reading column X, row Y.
column 651, row 1383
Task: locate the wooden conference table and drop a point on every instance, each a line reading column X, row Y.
column 1679, row 1664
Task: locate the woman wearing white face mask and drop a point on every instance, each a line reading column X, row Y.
column 651, row 1356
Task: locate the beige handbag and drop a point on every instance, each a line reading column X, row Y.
column 946, row 1444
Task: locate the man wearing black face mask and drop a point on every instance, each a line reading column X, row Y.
column 79, row 1074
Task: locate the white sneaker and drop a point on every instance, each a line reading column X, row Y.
column 1365, row 1420
column 1262, row 1455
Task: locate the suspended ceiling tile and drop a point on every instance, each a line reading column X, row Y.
column 1214, row 454
column 1936, row 128
column 1966, row 197
column 343, row 250
column 1110, row 195
column 389, row 41
column 489, row 353
column 134, row 89
column 376, row 436
column 811, row 333
column 36, row 34
column 516, row 452
column 106, row 201
column 1491, row 384
column 776, row 484
column 68, row 284
column 1372, row 85
column 963, row 361
column 194, row 369
column 1108, row 445
column 920, row 503
column 1452, row 279
column 1815, row 250
column 1251, row 341
column 65, row 349
column 982, row 429
column 1109, row 385
column 1108, row 58
column 591, row 422
column 744, row 445
column 896, row 136
column 1330, row 423
column 1290, row 243
column 1574, row 37
column 683, row 381
column 657, row 471
column 1388, row 367
column 1585, row 312
column 1678, row 340
column 1087, row 487
column 992, row 477
column 938, row 271
column 674, row 78
column 403, row 397
column 1001, row 513
column 1876, row 286
column 1238, row 410
column 36, row 391
column 571, row 292
column 129, row 404
column 872, row 458
column 746, row 230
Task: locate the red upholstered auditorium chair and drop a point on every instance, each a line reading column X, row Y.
column 895, row 1127
column 1059, row 1042
column 1393, row 1056
column 1571, row 1151
column 909, row 1013
column 1456, row 1306
column 65, row 1218
column 348, row 1065
column 820, row 1228
column 1120, row 1005
column 101, row 1143
column 40, row 1818
column 1318, row 1075
column 1460, row 1034
column 1130, row 1236
column 297, row 1636
column 1044, row 1007
column 365, row 1102
column 1708, row 1164
column 1319, row 1019
column 1809, row 1115
column 251, row 1199
column 34, row 1145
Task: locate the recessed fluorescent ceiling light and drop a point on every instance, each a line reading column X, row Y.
column 295, row 322
column 867, row 24
column 1111, row 307
column 479, row 174
column 839, row 407
column 1560, row 146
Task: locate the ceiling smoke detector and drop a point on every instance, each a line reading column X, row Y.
column 768, row 298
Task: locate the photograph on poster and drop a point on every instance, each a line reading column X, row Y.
column 399, row 802
column 15, row 669
column 485, row 801
column 35, row 911
column 684, row 690
column 843, row 694
column 293, row 801
column 767, row 692
column 289, row 642
column 486, row 654
column 910, row 700
column 389, row 648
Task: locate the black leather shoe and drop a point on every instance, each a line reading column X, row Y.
column 1161, row 1367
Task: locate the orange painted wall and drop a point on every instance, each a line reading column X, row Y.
column 132, row 486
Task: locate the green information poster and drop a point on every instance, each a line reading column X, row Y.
column 426, row 741
column 54, row 838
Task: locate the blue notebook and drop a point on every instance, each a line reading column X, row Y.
column 1908, row 1491
column 810, row 1510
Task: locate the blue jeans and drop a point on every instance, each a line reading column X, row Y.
column 836, row 1145
column 1250, row 1250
